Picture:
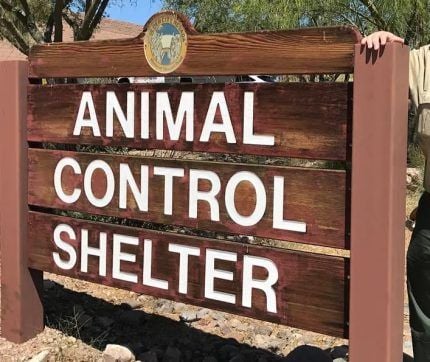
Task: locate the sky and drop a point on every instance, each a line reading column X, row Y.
column 137, row 12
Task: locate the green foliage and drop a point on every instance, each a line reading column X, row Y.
column 407, row 18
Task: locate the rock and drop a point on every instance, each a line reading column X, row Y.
column 117, row 353
column 218, row 316
column 202, row 313
column 414, row 173
column 263, row 330
column 283, row 334
column 132, row 304
column 172, row 355
column 165, row 308
column 235, row 322
column 149, row 356
column 189, row 317
column 41, row 357
column 179, row 307
column 268, row 343
column 242, row 327
column 71, row 339
column 407, row 348
column 225, row 330
column 413, row 178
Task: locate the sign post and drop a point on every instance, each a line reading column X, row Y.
column 378, row 203
column 21, row 306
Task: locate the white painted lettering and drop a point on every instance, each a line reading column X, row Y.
column 126, row 179
column 100, row 252
column 113, row 107
column 185, row 110
column 58, row 185
column 260, row 191
column 211, row 273
column 184, row 253
column 208, row 196
column 218, row 101
column 64, row 246
column 147, row 268
column 87, row 102
column 118, row 256
column 249, row 283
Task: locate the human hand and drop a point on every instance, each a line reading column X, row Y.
column 374, row 40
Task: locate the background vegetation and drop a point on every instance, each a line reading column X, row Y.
column 407, row 18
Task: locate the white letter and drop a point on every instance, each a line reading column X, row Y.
column 266, row 285
column 118, row 256
column 126, row 178
column 127, row 123
column 184, row 252
column 68, row 199
column 168, row 173
column 185, row 110
column 87, row 101
column 211, row 273
column 87, row 250
column 260, row 196
column 218, row 100
column 278, row 209
column 249, row 138
column 147, row 269
column 144, row 115
column 209, row 196
column 110, row 181
column 69, row 249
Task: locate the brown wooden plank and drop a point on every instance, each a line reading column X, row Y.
column 307, row 120
column 310, row 290
column 304, row 51
column 314, row 197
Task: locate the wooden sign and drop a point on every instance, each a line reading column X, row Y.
column 358, row 206
column 275, row 285
column 287, row 120
column 274, row 202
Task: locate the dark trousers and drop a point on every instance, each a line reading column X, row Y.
column 418, row 273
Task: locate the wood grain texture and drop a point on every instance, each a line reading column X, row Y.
column 310, row 293
column 316, row 197
column 307, row 120
column 301, row 51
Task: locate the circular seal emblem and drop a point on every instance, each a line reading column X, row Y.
column 165, row 43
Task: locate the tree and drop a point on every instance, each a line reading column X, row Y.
column 27, row 22
column 407, row 18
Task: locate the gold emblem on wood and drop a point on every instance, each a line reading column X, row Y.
column 165, row 43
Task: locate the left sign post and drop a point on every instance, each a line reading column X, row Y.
column 21, row 306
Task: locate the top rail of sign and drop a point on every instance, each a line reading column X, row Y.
column 170, row 45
